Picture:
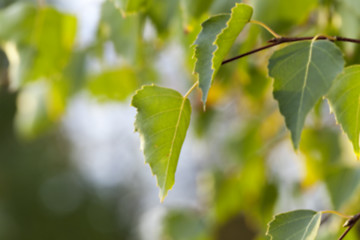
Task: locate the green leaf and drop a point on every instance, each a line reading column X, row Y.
column 123, row 32
column 342, row 183
column 344, row 98
column 283, row 14
column 214, row 42
column 222, row 6
column 114, row 84
column 181, row 224
column 40, row 42
column 162, row 13
column 40, row 104
column 162, row 120
column 303, row 72
column 195, row 8
column 54, row 38
column 17, row 22
column 295, row 225
column 131, row 6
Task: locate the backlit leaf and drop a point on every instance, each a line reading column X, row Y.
column 214, row 42
column 295, row 225
column 303, row 72
column 38, row 41
column 114, row 84
column 162, row 120
column 344, row 98
column 17, row 22
column 131, row 6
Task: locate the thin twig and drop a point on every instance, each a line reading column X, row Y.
column 350, row 224
column 251, row 52
column 277, row 41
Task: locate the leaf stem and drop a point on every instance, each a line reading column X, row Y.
column 336, row 213
column 191, row 89
column 277, row 41
column 272, row 32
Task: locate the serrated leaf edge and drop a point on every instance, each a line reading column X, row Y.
column 163, row 191
column 214, row 44
column 332, row 111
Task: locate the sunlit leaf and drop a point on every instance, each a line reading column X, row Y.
column 295, row 225
column 344, row 98
column 53, row 41
column 40, row 104
column 303, row 73
column 39, row 42
column 114, row 84
column 214, row 42
column 131, row 6
column 162, row 121
column 17, row 22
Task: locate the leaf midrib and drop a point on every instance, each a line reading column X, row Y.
column 172, row 144
column 304, row 85
column 307, row 227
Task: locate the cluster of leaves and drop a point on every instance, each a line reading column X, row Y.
column 303, row 73
column 47, row 66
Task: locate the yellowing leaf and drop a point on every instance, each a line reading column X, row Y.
column 303, row 72
column 162, row 120
column 214, row 42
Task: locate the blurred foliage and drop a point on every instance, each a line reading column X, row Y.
column 44, row 64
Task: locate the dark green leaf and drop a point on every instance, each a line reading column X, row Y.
column 214, row 42
column 295, row 225
column 303, row 73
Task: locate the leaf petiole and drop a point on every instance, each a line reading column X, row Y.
column 337, row 213
column 191, row 89
column 272, row 32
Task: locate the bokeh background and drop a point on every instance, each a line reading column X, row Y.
column 70, row 161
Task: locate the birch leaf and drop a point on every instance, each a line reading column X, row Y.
column 215, row 40
column 295, row 225
column 162, row 120
column 344, row 98
column 303, row 72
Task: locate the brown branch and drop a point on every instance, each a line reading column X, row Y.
column 277, row 41
column 350, row 224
